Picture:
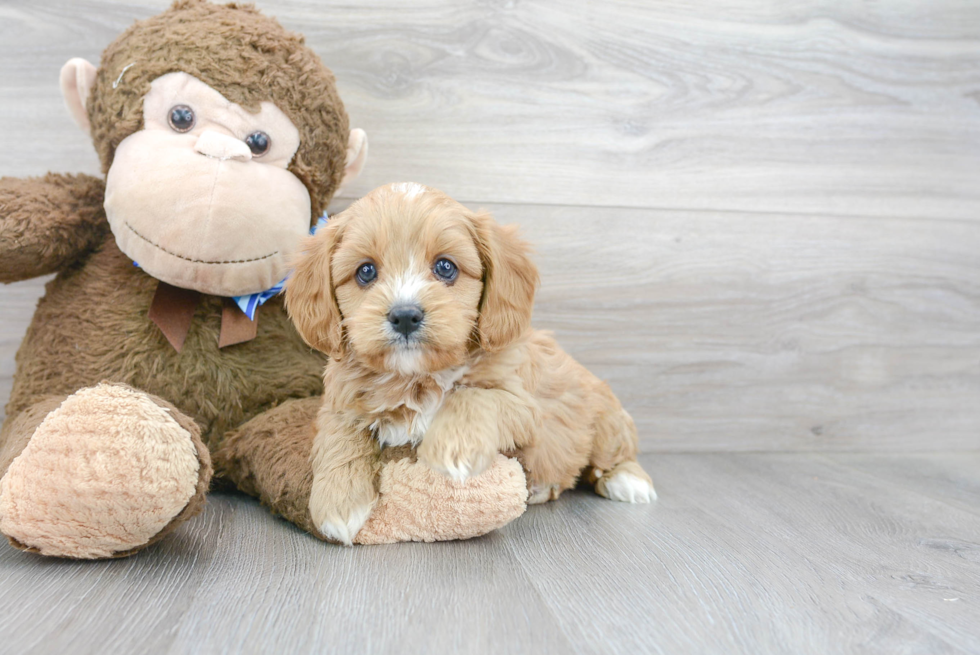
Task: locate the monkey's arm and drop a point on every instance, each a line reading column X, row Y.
column 47, row 223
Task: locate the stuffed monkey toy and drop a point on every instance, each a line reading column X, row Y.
column 222, row 139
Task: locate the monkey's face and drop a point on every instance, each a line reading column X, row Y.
column 201, row 197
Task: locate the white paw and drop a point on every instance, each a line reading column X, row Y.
column 345, row 531
column 542, row 493
column 628, row 488
column 458, row 471
column 459, row 466
column 462, row 469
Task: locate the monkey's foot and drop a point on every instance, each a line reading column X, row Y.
column 107, row 473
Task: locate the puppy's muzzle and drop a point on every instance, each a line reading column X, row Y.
column 406, row 319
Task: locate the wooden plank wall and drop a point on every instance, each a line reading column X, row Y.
column 760, row 223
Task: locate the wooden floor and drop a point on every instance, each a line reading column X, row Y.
column 743, row 553
column 760, row 221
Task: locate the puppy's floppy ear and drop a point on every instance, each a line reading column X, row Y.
column 310, row 298
column 509, row 281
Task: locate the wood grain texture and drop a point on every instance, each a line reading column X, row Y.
column 828, row 107
column 764, row 553
column 743, row 553
column 725, row 331
column 791, row 107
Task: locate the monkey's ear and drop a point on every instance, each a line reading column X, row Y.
column 357, row 151
column 77, row 78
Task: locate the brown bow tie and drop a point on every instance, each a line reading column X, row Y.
column 173, row 309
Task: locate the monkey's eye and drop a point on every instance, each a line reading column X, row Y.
column 181, row 118
column 258, row 143
column 366, row 273
column 445, row 270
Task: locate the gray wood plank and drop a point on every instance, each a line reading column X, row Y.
column 119, row 606
column 451, row 597
column 758, row 553
column 726, row 331
column 742, row 553
column 940, row 476
column 238, row 580
column 684, row 107
column 803, row 107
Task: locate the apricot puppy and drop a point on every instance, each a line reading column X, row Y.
column 424, row 308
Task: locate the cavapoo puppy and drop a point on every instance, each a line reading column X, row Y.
column 424, row 308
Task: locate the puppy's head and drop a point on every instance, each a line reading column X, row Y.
column 408, row 280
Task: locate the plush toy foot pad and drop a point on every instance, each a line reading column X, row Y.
column 103, row 475
column 418, row 504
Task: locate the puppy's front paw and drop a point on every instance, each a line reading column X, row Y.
column 339, row 517
column 457, row 453
column 343, row 526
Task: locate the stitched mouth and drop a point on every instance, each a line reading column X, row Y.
column 199, row 261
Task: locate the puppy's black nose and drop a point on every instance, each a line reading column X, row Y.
column 406, row 318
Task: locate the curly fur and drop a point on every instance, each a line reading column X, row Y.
column 48, row 223
column 470, row 381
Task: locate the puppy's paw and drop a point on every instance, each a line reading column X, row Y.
column 459, row 455
column 340, row 510
column 628, row 488
column 542, row 493
column 343, row 526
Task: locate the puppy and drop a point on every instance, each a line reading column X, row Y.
column 424, row 308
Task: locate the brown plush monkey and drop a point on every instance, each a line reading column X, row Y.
column 222, row 139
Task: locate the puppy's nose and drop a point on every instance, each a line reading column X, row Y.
column 406, row 318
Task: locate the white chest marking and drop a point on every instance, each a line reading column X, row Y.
column 406, row 362
column 400, row 433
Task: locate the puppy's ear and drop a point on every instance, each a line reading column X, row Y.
column 310, row 298
column 509, row 281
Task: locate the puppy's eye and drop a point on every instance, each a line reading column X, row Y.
column 259, row 143
column 181, row 118
column 445, row 270
column 366, row 273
